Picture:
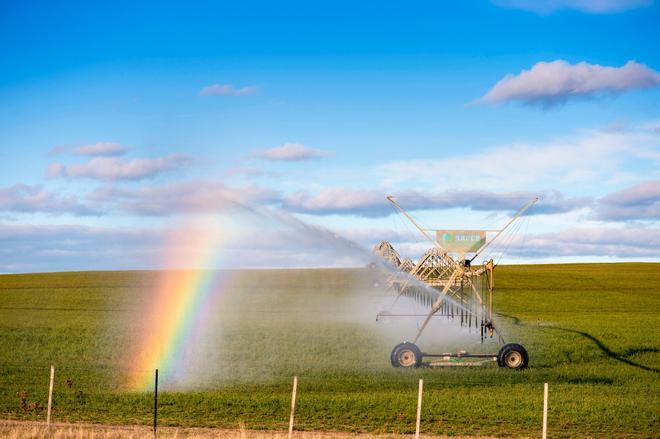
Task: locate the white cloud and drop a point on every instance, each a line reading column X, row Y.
column 330, row 201
column 58, row 149
column 269, row 239
column 372, row 203
column 274, row 239
column 641, row 201
column 227, row 90
column 292, row 152
column 22, row 198
column 591, row 6
column 549, row 84
column 117, row 168
column 620, row 242
column 602, row 243
column 591, row 160
column 32, row 248
column 179, row 198
column 248, row 172
column 101, row 149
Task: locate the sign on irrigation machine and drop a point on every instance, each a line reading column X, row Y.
column 461, row 241
column 448, row 283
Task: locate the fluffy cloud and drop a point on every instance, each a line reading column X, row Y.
column 32, row 248
column 22, row 198
column 58, row 149
column 591, row 6
column 579, row 242
column 271, row 239
column 118, row 168
column 248, row 172
column 548, row 84
column 622, row 242
column 372, row 203
column 274, row 239
column 292, row 152
column 329, row 201
column 101, row 149
column 638, row 202
column 179, row 198
column 589, row 158
column 227, row 90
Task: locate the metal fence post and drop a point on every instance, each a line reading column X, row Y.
column 156, row 403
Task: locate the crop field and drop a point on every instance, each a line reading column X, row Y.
column 591, row 331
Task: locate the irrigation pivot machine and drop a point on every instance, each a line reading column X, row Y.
column 447, row 282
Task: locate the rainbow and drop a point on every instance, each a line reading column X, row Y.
column 174, row 317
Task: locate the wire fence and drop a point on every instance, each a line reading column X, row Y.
column 83, row 395
column 447, row 403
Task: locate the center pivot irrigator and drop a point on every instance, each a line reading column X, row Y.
column 448, row 283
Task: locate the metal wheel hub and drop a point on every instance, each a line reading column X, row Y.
column 406, row 358
column 513, row 359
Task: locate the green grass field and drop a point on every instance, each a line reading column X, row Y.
column 591, row 330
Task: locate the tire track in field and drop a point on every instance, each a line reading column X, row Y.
column 607, row 351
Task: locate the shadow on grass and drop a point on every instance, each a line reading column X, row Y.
column 607, row 351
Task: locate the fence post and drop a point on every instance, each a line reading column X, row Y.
column 419, row 407
column 156, row 403
column 50, row 394
column 293, row 405
column 545, row 410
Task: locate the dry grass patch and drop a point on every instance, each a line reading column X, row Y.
column 35, row 430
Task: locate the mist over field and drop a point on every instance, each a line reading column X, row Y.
column 213, row 323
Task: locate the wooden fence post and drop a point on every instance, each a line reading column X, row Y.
column 50, row 394
column 419, row 407
column 545, row 410
column 293, row 405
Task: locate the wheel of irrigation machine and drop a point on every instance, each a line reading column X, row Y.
column 406, row 355
column 512, row 356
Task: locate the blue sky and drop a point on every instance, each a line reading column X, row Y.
column 117, row 117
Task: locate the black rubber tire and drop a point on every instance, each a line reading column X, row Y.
column 499, row 360
column 513, row 356
column 406, row 355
